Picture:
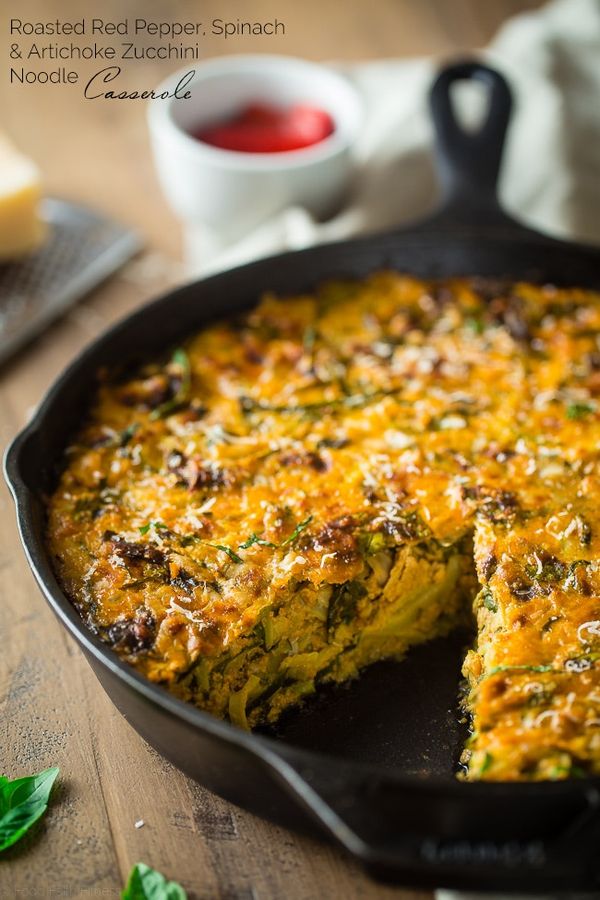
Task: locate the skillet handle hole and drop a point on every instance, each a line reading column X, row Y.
column 469, row 140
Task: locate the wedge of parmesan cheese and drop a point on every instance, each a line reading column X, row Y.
column 21, row 226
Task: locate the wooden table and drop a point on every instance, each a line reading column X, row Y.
column 52, row 711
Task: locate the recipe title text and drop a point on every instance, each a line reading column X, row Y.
column 36, row 60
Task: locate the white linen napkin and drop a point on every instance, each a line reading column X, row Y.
column 551, row 173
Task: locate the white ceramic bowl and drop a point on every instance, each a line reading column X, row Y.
column 230, row 191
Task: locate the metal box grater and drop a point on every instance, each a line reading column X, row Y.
column 82, row 249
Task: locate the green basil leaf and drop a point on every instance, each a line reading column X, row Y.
column 147, row 884
column 297, row 530
column 255, row 539
column 22, row 802
column 158, row 526
column 496, row 669
column 579, row 410
column 233, row 556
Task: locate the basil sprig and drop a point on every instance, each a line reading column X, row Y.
column 22, row 802
column 146, row 883
column 297, row 530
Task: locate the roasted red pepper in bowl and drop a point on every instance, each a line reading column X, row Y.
column 265, row 128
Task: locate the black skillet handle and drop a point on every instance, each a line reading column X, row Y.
column 468, row 162
column 467, row 836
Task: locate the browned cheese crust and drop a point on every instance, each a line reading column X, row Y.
column 292, row 495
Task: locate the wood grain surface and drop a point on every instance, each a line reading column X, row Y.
column 52, row 710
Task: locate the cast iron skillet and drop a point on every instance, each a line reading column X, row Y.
column 371, row 765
